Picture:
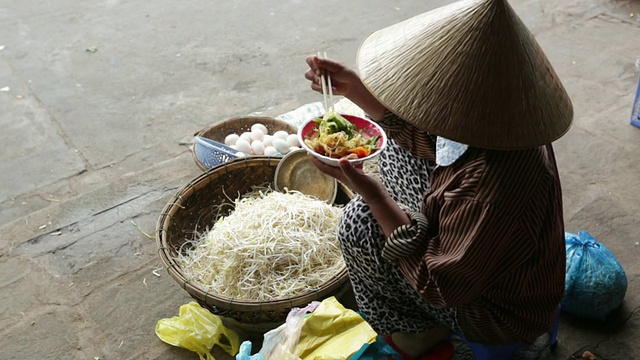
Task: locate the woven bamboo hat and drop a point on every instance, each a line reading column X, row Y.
column 471, row 72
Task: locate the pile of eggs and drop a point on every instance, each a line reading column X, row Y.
column 258, row 141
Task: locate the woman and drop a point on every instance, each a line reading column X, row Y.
column 465, row 231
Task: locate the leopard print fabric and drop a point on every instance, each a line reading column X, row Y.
column 389, row 303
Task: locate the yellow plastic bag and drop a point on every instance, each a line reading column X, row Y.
column 198, row 330
column 333, row 332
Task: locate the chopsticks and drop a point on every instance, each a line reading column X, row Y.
column 327, row 89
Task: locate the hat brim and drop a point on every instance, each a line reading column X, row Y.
column 470, row 71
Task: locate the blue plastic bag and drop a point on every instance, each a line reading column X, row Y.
column 377, row 350
column 245, row 352
column 595, row 282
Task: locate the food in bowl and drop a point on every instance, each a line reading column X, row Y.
column 334, row 136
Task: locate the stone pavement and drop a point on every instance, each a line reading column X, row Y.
column 100, row 100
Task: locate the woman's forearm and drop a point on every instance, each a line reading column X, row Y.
column 361, row 96
column 388, row 213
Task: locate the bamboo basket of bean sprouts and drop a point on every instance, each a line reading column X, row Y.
column 207, row 239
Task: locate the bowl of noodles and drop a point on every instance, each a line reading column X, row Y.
column 335, row 136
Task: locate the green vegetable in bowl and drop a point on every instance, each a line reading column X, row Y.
column 332, row 123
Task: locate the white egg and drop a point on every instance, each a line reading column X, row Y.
column 267, row 140
column 281, row 134
column 280, row 145
column 257, row 135
column 270, row 151
column 292, row 140
column 240, row 154
column 257, row 148
column 231, row 139
column 244, row 146
column 234, row 147
column 293, row 148
column 246, row 136
column 258, row 126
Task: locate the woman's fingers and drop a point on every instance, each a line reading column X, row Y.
column 315, row 82
column 332, row 171
column 311, row 62
column 310, row 75
column 354, row 174
column 363, row 184
column 319, row 65
column 328, row 65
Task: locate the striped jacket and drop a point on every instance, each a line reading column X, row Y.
column 489, row 239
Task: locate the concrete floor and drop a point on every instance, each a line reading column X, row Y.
column 100, row 100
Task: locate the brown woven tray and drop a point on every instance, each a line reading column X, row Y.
column 219, row 130
column 192, row 208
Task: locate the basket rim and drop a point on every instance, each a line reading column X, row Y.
column 192, row 287
column 235, row 120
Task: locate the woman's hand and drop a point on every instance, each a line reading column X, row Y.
column 343, row 79
column 384, row 208
column 345, row 82
column 369, row 188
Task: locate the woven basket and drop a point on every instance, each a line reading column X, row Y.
column 193, row 208
column 238, row 125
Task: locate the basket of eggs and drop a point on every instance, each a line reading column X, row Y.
column 240, row 137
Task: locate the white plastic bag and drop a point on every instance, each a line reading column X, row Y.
column 280, row 343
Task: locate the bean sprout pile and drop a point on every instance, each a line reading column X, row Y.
column 273, row 245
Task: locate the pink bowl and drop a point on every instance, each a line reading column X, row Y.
column 369, row 127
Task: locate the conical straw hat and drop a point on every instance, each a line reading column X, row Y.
column 471, row 72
